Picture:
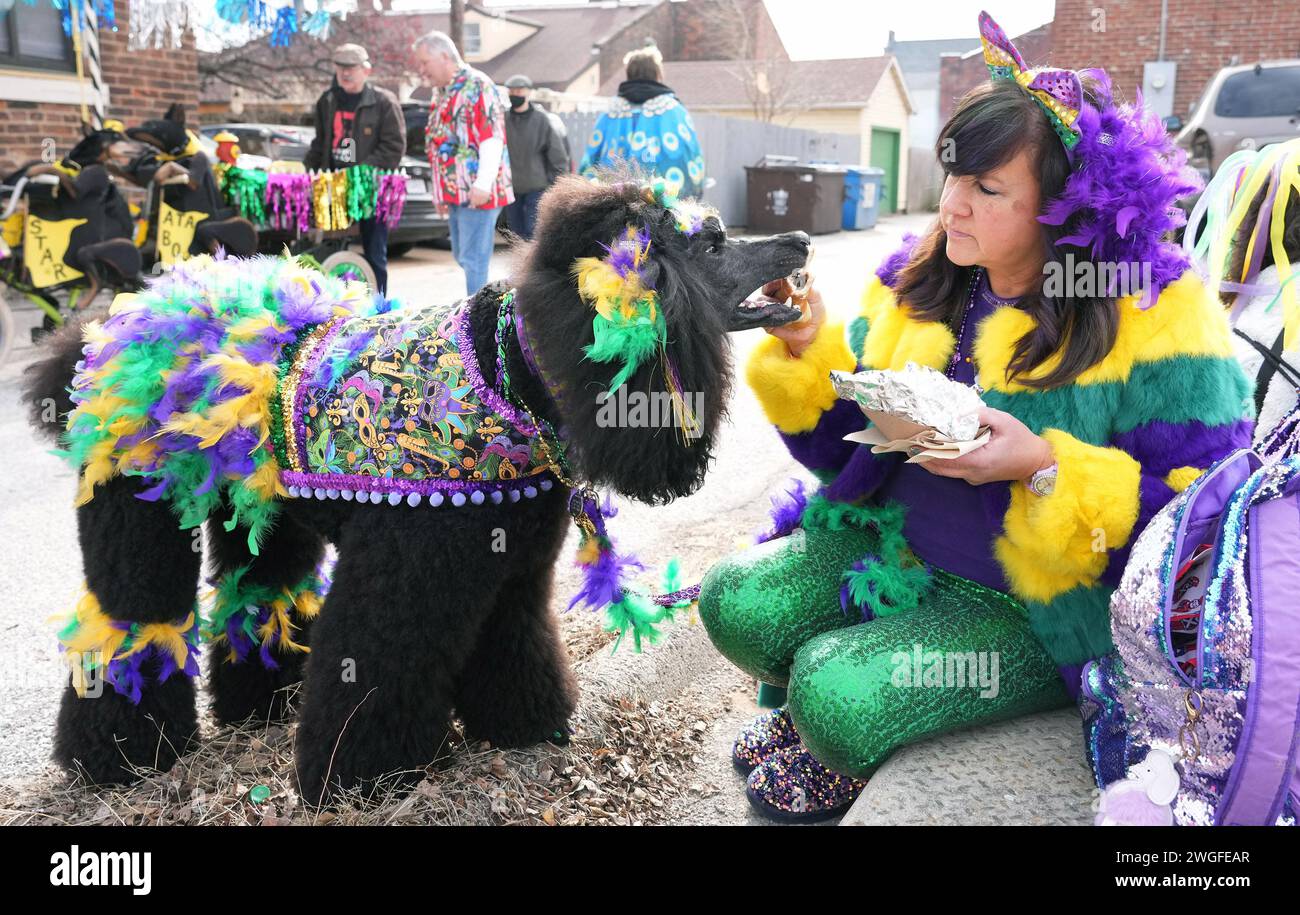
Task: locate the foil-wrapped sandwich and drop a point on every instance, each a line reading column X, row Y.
column 916, row 410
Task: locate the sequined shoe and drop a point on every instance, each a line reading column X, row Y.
column 792, row 786
column 771, row 731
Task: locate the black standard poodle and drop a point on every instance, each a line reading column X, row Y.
column 438, row 449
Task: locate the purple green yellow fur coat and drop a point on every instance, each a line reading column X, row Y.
column 1129, row 433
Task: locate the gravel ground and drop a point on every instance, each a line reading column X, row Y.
column 41, row 578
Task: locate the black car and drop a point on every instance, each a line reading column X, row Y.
column 420, row 221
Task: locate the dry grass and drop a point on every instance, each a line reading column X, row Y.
column 626, row 761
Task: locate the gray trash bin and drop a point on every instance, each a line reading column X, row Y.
column 786, row 197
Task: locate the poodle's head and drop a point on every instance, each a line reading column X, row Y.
column 627, row 295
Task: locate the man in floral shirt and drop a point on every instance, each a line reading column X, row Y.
column 466, row 140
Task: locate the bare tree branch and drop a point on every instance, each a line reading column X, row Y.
column 768, row 80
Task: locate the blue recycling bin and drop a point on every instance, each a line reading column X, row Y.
column 862, row 186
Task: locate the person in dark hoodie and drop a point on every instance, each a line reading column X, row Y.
column 648, row 128
column 358, row 123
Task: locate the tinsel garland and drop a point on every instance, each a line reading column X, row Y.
column 246, row 189
column 288, row 198
column 329, row 200
column 391, row 198
column 237, row 11
column 361, row 192
column 105, row 14
column 157, row 23
column 318, row 25
column 284, row 28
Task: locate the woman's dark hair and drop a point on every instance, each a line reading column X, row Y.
column 991, row 125
column 1240, row 242
column 645, row 63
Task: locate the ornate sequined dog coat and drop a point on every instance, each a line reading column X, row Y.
column 249, row 380
column 393, row 406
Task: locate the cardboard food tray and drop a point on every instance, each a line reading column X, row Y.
column 889, row 432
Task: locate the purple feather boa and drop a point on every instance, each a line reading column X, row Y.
column 1119, row 202
column 603, row 582
column 893, row 265
column 787, row 510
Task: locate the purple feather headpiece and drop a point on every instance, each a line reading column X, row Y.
column 1126, row 177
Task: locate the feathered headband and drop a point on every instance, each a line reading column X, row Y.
column 1126, row 175
column 1223, row 208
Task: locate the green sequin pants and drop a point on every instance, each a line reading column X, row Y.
column 858, row 691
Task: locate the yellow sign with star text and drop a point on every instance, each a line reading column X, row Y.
column 176, row 232
column 45, row 241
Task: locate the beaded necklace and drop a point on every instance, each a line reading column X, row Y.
column 583, row 499
column 965, row 319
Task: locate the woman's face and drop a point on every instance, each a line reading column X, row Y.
column 991, row 219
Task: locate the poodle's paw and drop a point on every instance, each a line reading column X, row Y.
column 324, row 786
column 248, row 692
column 108, row 740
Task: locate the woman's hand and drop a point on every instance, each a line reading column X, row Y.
column 799, row 335
column 1011, row 453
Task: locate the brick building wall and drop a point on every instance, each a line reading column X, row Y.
column 1200, row 37
column 142, row 84
column 698, row 30
column 656, row 23
column 703, row 31
column 960, row 74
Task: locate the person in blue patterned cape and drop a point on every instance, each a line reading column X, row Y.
column 649, row 128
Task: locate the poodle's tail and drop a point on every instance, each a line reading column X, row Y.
column 46, row 387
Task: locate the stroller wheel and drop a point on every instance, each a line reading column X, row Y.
column 350, row 267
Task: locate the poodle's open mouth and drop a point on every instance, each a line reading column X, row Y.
column 761, row 310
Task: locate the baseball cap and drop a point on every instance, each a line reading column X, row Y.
column 519, row 81
column 351, row 55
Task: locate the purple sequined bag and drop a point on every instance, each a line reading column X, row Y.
column 1223, row 706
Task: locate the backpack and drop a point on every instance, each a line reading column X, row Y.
column 1206, row 666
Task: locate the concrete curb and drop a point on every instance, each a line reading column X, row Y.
column 1025, row 772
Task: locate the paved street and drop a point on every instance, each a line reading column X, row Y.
column 42, row 565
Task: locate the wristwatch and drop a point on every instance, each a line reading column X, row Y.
column 1043, row 482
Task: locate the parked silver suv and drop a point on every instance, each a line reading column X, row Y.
column 1244, row 107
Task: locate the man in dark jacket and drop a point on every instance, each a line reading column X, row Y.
column 359, row 124
column 538, row 155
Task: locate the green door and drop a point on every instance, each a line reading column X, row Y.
column 884, row 154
